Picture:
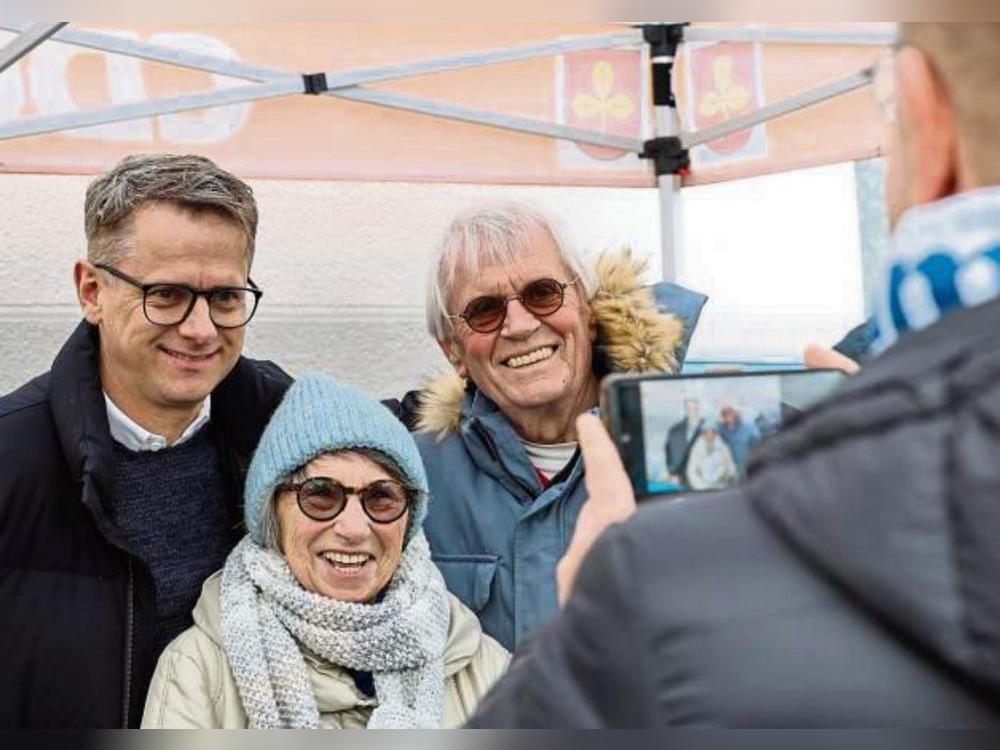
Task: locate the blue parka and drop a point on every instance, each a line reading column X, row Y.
column 495, row 533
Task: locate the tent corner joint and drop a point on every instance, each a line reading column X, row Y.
column 668, row 154
column 663, row 38
column 314, row 84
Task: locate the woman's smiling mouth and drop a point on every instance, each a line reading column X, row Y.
column 347, row 563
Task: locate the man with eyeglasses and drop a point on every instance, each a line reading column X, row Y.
column 529, row 329
column 121, row 469
column 854, row 580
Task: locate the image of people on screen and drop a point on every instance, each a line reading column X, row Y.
column 699, row 435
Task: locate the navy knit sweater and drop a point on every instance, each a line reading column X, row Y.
column 171, row 507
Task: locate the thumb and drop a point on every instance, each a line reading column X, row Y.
column 609, row 498
column 605, row 475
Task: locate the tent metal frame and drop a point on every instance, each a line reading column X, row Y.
column 26, row 41
column 668, row 149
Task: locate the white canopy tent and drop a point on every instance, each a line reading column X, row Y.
column 668, row 151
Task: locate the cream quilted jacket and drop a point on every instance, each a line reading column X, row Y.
column 193, row 685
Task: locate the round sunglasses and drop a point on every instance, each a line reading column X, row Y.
column 541, row 297
column 323, row 498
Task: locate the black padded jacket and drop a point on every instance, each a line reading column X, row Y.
column 854, row 581
column 76, row 608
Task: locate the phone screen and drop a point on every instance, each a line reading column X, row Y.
column 691, row 433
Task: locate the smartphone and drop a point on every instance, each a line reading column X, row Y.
column 692, row 433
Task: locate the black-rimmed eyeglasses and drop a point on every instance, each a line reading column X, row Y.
column 323, row 498
column 171, row 304
column 541, row 297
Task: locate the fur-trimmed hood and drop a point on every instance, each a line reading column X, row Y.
column 634, row 334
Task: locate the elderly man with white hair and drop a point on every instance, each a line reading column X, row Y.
column 529, row 329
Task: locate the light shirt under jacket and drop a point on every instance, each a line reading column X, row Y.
column 130, row 434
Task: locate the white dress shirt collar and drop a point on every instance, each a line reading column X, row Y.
column 135, row 437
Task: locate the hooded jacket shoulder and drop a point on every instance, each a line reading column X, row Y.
column 193, row 685
column 908, row 446
column 32, row 393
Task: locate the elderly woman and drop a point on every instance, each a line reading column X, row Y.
column 329, row 613
column 710, row 464
column 529, row 329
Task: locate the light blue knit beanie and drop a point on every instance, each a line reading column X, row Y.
column 319, row 414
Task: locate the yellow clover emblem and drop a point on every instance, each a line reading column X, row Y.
column 728, row 98
column 602, row 102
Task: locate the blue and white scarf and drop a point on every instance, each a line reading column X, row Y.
column 943, row 256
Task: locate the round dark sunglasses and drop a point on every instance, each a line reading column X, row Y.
column 541, row 298
column 323, row 498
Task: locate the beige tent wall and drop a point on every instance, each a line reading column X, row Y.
column 342, row 265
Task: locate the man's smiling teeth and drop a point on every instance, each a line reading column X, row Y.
column 343, row 558
column 189, row 357
column 531, row 357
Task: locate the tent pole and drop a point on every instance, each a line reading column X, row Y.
column 781, row 107
column 342, row 84
column 669, row 158
column 513, row 123
column 338, row 78
column 26, row 41
column 668, row 188
column 790, row 35
column 150, row 108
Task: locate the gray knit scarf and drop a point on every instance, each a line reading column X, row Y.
column 400, row 640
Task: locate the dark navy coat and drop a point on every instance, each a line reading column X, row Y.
column 76, row 606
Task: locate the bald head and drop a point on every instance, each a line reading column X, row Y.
column 966, row 59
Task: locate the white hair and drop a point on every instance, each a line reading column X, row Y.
column 494, row 235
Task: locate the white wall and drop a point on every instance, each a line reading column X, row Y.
column 342, row 266
column 781, row 256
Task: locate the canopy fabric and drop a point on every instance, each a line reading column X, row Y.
column 328, row 138
column 718, row 81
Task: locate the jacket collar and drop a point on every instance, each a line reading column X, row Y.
column 495, row 446
column 78, row 410
column 80, row 415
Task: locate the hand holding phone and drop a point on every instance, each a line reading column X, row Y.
column 610, row 498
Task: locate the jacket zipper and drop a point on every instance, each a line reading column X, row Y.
column 485, row 436
column 129, row 598
column 110, row 534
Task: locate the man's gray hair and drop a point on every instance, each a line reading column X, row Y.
column 498, row 234
column 190, row 182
